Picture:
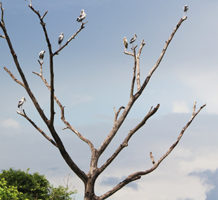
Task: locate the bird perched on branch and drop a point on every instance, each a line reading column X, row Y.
column 60, row 38
column 21, row 102
column 82, row 16
column 41, row 54
column 185, row 8
column 125, row 42
column 133, row 39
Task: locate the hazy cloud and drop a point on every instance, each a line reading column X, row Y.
column 180, row 107
column 9, row 123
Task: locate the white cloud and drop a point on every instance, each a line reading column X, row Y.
column 10, row 123
column 204, row 85
column 205, row 160
column 180, row 107
column 172, row 180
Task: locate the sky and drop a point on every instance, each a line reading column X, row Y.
column 92, row 76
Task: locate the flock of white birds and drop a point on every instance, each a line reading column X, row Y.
column 81, row 17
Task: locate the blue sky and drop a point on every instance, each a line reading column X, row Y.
column 93, row 75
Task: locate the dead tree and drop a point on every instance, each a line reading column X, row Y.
column 136, row 89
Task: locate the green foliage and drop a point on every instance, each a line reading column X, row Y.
column 60, row 193
column 8, row 192
column 20, row 185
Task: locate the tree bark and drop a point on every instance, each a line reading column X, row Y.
column 89, row 189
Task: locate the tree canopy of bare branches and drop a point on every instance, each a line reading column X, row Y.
column 138, row 85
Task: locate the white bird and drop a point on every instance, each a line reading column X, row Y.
column 125, row 42
column 82, row 16
column 41, row 54
column 60, row 38
column 21, row 102
column 133, row 39
column 186, row 8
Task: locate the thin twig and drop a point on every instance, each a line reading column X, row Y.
column 2, row 13
column 194, row 108
column 128, row 53
column 134, row 73
column 44, row 15
column 13, row 77
column 138, row 65
column 71, row 38
column 156, row 65
column 117, row 113
column 37, row 128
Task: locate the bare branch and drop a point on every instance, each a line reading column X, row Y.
column 194, row 108
column 141, row 47
column 137, row 175
column 52, row 112
column 71, row 38
column 37, row 128
column 13, row 77
column 128, row 53
column 44, row 15
column 2, row 13
column 116, row 126
column 57, row 139
column 134, row 72
column 62, row 110
column 117, row 113
column 161, row 56
column 138, row 65
column 134, row 98
column 124, row 144
column 73, row 129
column 17, row 64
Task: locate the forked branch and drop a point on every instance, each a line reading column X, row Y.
column 17, row 64
column 137, row 175
column 116, row 113
column 134, row 97
column 68, row 125
column 71, row 38
column 161, row 57
column 41, row 19
column 124, row 144
column 49, row 123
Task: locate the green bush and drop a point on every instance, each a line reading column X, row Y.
column 20, row 185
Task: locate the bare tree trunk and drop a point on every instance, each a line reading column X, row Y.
column 89, row 190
